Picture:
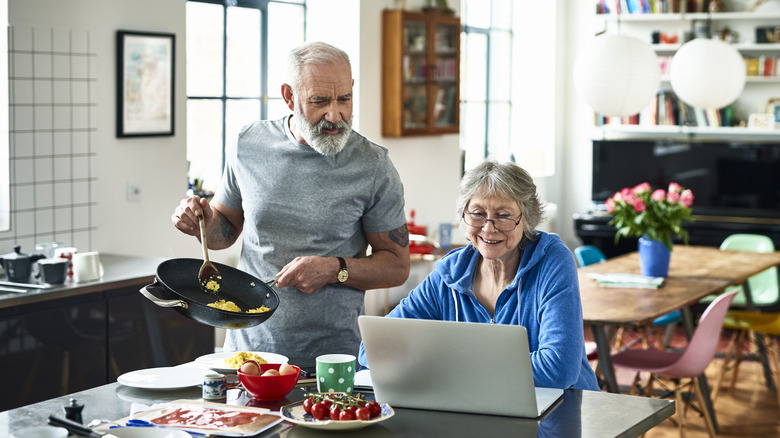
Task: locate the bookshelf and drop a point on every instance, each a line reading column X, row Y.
column 674, row 29
column 420, row 73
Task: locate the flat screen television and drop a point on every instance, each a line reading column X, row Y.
column 727, row 178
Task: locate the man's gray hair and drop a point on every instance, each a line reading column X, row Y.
column 312, row 53
column 505, row 179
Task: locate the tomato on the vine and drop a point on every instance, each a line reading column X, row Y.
column 346, row 415
column 334, row 412
column 363, row 414
column 307, row 404
column 319, row 411
column 374, row 408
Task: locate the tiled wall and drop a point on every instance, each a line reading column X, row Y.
column 52, row 75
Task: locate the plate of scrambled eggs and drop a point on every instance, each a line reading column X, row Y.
column 229, row 362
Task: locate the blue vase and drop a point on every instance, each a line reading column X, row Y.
column 653, row 258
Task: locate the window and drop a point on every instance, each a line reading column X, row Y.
column 486, row 86
column 236, row 62
column 508, row 83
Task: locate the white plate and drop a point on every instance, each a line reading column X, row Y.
column 216, row 361
column 147, row 432
column 163, row 378
column 294, row 413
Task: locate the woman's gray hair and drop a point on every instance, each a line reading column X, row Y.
column 312, row 53
column 504, row 179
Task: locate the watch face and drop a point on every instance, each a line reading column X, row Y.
column 343, row 275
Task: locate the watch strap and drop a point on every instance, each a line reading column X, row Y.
column 342, row 268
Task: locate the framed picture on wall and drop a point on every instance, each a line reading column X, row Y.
column 145, row 80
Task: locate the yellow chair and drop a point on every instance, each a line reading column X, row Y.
column 765, row 295
column 746, row 324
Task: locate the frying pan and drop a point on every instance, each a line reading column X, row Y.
column 177, row 286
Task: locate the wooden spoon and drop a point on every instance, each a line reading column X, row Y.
column 208, row 276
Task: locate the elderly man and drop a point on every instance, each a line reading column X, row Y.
column 309, row 194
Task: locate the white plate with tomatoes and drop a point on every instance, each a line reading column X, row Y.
column 303, row 413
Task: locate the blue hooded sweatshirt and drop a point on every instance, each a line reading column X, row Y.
column 544, row 297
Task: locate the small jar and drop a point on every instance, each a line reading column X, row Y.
column 214, row 387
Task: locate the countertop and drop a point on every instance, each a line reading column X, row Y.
column 118, row 271
column 583, row 414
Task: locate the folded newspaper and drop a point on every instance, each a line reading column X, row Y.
column 627, row 280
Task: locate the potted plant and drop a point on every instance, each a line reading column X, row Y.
column 655, row 216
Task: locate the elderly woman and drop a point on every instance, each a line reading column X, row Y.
column 510, row 273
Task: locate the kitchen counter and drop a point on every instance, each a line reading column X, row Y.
column 579, row 414
column 74, row 336
column 118, row 271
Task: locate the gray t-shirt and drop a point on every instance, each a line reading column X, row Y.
column 297, row 202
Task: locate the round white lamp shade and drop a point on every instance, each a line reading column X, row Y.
column 617, row 75
column 707, row 74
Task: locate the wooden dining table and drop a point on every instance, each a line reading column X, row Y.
column 694, row 272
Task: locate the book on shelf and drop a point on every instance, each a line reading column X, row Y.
column 666, row 109
column 644, row 6
column 762, row 66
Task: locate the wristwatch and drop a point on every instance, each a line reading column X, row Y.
column 342, row 275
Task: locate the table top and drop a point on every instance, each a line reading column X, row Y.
column 694, row 272
column 578, row 413
column 619, row 305
column 699, row 261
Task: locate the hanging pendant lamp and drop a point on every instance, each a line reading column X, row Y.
column 617, row 75
column 707, row 73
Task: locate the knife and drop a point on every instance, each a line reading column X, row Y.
column 77, row 428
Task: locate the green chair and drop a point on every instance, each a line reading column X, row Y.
column 764, row 289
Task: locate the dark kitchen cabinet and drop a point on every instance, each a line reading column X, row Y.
column 63, row 345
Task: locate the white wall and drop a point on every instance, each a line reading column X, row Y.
column 429, row 165
column 158, row 163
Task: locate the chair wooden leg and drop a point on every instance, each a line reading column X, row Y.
column 738, row 358
column 707, row 417
column 619, row 338
column 681, row 408
column 634, row 384
column 724, row 367
column 772, row 342
column 650, row 388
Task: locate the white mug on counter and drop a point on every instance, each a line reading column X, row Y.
column 87, row 266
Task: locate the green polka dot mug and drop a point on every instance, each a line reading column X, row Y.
column 336, row 373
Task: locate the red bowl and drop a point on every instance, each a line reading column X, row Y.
column 269, row 387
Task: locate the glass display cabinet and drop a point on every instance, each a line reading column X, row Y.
column 420, row 73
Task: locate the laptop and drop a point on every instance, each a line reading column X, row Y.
column 453, row 366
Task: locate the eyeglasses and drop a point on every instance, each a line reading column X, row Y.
column 479, row 220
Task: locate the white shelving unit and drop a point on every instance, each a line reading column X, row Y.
column 758, row 89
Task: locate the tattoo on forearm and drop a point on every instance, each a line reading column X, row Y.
column 224, row 230
column 400, row 236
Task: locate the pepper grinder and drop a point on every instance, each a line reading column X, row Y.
column 73, row 410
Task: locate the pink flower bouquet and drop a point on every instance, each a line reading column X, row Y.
column 656, row 214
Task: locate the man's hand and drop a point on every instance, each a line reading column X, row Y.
column 308, row 274
column 186, row 216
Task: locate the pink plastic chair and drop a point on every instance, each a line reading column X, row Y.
column 688, row 364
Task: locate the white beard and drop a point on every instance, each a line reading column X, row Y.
column 325, row 144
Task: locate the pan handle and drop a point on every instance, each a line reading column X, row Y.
column 160, row 302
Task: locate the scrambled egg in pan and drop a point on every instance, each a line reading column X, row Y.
column 232, row 307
